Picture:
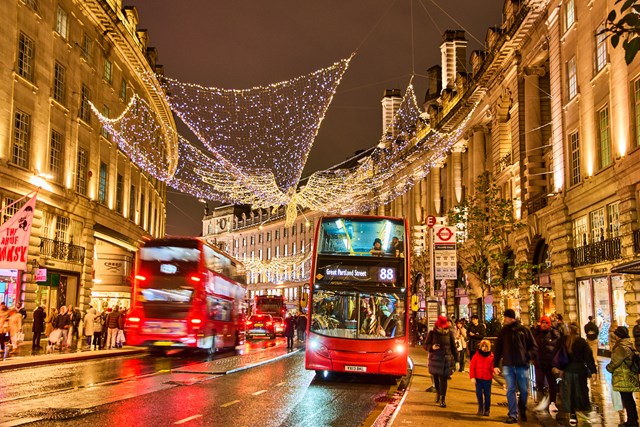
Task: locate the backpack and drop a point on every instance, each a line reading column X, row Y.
column 634, row 366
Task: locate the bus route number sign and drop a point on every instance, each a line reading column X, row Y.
column 386, row 274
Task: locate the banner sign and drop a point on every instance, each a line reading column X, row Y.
column 41, row 275
column 14, row 237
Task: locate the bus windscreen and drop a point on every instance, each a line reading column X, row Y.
column 361, row 236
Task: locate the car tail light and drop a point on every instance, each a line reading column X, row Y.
column 133, row 319
column 269, row 323
column 196, row 321
column 249, row 323
column 140, row 278
column 195, row 278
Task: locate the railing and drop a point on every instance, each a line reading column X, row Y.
column 61, row 250
column 536, row 203
column 636, row 241
column 606, row 250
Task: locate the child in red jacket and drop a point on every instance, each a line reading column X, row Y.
column 481, row 374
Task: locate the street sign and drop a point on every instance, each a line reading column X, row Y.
column 444, row 234
column 431, row 221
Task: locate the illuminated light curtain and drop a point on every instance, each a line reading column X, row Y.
column 277, row 264
column 268, row 128
column 149, row 142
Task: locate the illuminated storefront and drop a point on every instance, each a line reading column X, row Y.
column 603, row 298
column 8, row 286
column 113, row 266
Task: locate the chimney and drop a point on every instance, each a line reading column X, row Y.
column 390, row 104
column 454, row 56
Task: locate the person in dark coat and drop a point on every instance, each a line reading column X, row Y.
column 592, row 332
column 443, row 356
column 475, row 333
column 38, row 326
column 547, row 339
column 623, row 379
column 301, row 327
column 515, row 348
column 575, row 391
column 288, row 331
column 636, row 334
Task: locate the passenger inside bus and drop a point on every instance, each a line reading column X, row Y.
column 377, row 248
column 396, row 248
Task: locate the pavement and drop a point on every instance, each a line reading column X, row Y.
column 418, row 406
column 415, row 407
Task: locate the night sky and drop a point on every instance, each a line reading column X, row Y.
column 238, row 44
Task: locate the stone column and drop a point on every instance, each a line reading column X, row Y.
column 534, row 161
column 435, row 188
column 478, row 153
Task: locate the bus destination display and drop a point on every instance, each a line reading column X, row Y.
column 360, row 273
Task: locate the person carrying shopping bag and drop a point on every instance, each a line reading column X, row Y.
column 623, row 379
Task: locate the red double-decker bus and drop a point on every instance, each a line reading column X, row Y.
column 187, row 294
column 358, row 307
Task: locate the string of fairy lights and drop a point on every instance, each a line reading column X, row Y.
column 256, row 143
column 277, row 265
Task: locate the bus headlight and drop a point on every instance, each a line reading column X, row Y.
column 396, row 351
column 319, row 348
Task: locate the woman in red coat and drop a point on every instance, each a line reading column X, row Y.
column 481, row 374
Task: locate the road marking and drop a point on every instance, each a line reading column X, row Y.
column 188, row 419
column 281, row 384
column 258, row 392
column 233, row 402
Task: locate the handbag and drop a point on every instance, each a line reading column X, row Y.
column 561, row 357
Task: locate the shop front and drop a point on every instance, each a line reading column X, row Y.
column 462, row 304
column 9, row 286
column 603, row 298
column 112, row 282
column 56, row 288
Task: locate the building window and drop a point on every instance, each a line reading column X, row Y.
column 26, row 52
column 601, row 48
column 103, row 130
column 580, row 235
column 62, row 23
column 119, row 192
column 59, row 73
column 142, row 211
column 268, row 254
column 21, row 137
column 574, row 142
column 636, row 104
column 62, row 228
column 268, row 236
column 596, row 223
column 572, row 76
column 123, row 90
column 613, row 219
column 253, row 240
column 81, row 174
column 103, row 182
column 244, row 242
column 277, row 234
column 85, row 108
column 604, row 139
column 285, row 232
column 32, row 4
column 86, row 47
column 293, row 248
column 55, row 155
column 108, row 69
column 132, row 203
column 569, row 14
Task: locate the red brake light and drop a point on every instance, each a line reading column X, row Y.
column 249, row 323
column 196, row 321
column 140, row 277
column 195, row 278
column 133, row 319
column 269, row 323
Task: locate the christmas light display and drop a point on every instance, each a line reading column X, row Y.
column 148, row 141
column 277, row 265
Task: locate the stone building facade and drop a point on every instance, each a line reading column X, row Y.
column 552, row 111
column 94, row 206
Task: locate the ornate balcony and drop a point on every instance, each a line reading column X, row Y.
column 61, row 251
column 536, row 203
column 605, row 250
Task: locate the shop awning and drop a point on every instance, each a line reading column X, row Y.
column 631, row 267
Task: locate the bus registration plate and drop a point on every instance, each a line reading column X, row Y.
column 163, row 343
column 355, row 368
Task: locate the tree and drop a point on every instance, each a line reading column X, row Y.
column 627, row 27
column 484, row 221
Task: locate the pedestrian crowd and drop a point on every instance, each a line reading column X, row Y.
column 64, row 328
column 562, row 360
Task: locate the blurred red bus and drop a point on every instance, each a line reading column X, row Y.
column 358, row 307
column 186, row 294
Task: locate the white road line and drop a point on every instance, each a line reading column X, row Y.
column 188, row 419
column 258, row 392
column 233, row 402
column 281, row 384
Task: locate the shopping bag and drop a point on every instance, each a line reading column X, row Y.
column 54, row 336
column 19, row 337
column 120, row 337
column 616, row 399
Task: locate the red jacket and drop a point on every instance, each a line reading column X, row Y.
column 481, row 366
